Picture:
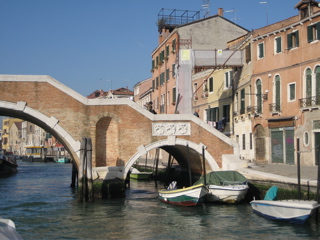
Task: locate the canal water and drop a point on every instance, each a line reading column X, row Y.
column 43, row 206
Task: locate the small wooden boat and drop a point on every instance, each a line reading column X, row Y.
column 136, row 174
column 225, row 186
column 293, row 211
column 189, row 196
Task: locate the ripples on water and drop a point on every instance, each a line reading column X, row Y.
column 43, row 206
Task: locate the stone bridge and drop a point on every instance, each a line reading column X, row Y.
column 121, row 131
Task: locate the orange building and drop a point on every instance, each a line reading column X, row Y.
column 286, row 88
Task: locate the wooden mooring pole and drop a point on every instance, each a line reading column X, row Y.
column 85, row 190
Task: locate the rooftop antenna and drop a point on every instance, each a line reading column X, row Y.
column 266, row 9
column 235, row 15
column 206, row 7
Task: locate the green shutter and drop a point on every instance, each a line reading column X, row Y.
column 297, row 38
column 277, row 93
column 261, row 50
column 289, row 40
column 242, row 101
column 289, row 144
column 277, row 145
column 278, row 42
column 308, row 83
column 310, row 33
column 318, row 85
column 259, row 96
column 318, row 30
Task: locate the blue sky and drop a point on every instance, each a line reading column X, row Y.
column 102, row 44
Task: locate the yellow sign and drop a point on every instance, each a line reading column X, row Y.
column 185, row 55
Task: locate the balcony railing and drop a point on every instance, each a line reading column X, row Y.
column 274, row 108
column 309, row 102
column 254, row 110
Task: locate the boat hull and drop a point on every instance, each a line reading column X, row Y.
column 229, row 194
column 141, row 175
column 63, row 160
column 293, row 211
column 190, row 196
column 7, row 167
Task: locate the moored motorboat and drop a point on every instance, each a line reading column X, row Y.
column 136, row 174
column 225, row 186
column 8, row 230
column 63, row 160
column 189, row 196
column 293, row 211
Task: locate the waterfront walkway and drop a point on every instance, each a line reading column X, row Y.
column 282, row 174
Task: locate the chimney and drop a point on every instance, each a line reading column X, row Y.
column 220, row 12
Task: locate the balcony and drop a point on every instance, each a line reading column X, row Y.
column 275, row 108
column 254, row 110
column 311, row 102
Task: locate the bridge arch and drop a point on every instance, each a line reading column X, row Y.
column 49, row 124
column 176, row 147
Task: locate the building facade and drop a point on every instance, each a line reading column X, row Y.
column 286, row 83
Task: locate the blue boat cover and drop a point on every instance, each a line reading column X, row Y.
column 271, row 193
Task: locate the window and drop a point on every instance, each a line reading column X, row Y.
column 168, row 97
column 228, row 79
column 173, row 70
column 248, row 53
column 174, row 45
column 157, row 82
column 292, row 91
column 306, row 138
column 251, row 141
column 162, row 78
column 174, row 95
column 167, row 51
column 210, row 84
column 167, row 74
column 195, row 87
column 243, row 142
column 277, row 93
column 243, row 104
column 278, row 44
column 313, row 32
column 293, row 40
column 317, row 89
column 259, row 96
column 260, row 50
column 213, row 114
column 308, row 84
column 226, row 112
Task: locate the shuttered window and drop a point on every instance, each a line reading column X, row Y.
column 261, row 50
column 293, row 40
column 277, row 93
column 308, row 83
column 318, row 85
column 243, row 103
column 259, row 96
column 313, row 32
column 278, row 47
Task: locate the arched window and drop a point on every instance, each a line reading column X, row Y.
column 317, row 71
column 308, row 84
column 277, row 93
column 259, row 96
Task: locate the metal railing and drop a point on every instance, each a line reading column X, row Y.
column 274, row 108
column 309, row 102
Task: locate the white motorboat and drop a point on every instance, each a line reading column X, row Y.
column 293, row 211
column 225, row 186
